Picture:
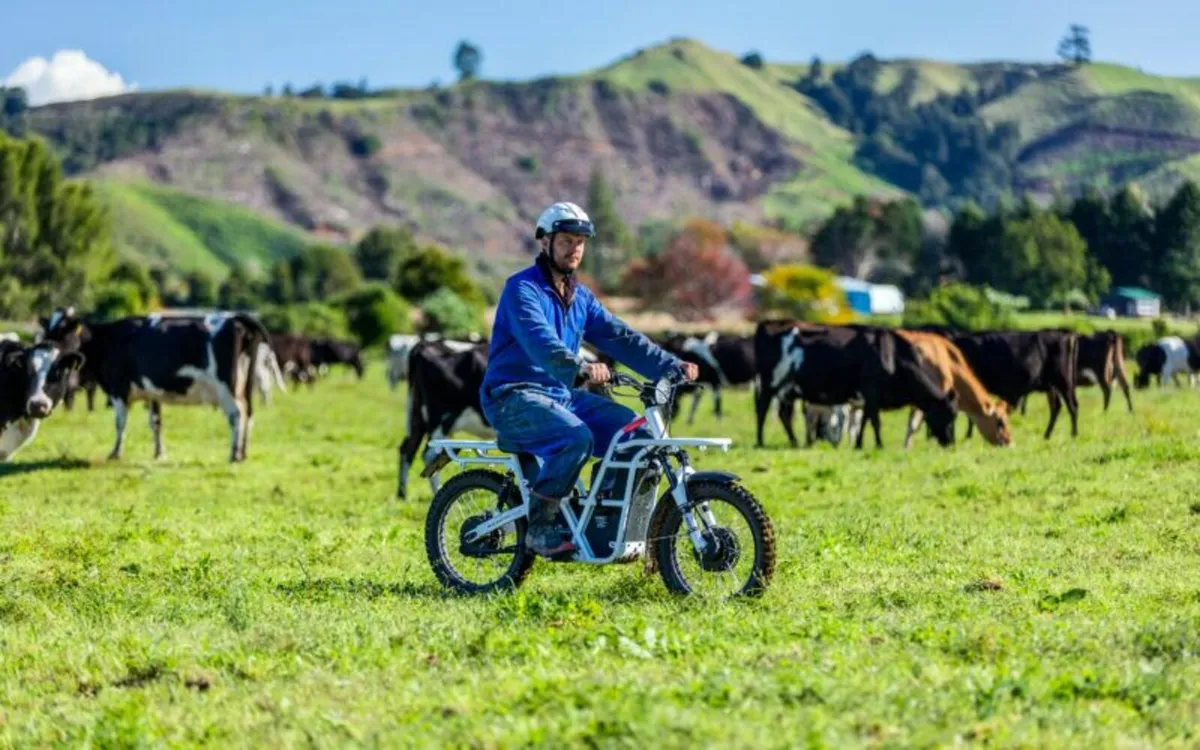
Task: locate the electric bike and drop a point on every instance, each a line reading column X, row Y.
column 707, row 535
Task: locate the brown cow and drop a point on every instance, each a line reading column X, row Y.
column 947, row 366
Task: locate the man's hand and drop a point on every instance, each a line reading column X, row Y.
column 597, row 373
column 691, row 370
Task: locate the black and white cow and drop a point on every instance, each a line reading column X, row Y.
column 400, row 345
column 835, row 365
column 1166, row 359
column 329, row 352
column 443, row 398
column 209, row 362
column 32, row 381
column 723, row 361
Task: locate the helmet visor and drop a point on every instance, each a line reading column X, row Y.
column 574, row 226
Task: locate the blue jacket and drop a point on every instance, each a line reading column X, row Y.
column 537, row 333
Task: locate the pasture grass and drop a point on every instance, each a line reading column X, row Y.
column 1039, row 595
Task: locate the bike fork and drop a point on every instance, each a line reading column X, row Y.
column 679, row 493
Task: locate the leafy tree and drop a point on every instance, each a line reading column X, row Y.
column 846, row 241
column 753, row 60
column 1126, row 249
column 281, row 288
column 1178, row 232
column 374, row 312
column 286, row 90
column 381, row 251
column 202, row 289
column 816, row 69
column 118, row 300
column 55, row 235
column 320, row 272
column 1076, row 46
column 1049, row 258
column 805, row 293
column 238, row 291
column 449, row 314
column 432, row 268
column 694, row 276
column 608, row 249
column 467, row 60
column 141, row 280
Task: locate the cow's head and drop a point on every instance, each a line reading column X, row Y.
column 940, row 416
column 993, row 423
column 65, row 328
column 47, row 370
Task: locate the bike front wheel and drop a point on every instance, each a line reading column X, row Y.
column 739, row 555
column 496, row 562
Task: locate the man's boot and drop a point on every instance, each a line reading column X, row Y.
column 544, row 536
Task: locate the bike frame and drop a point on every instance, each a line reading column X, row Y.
column 659, row 448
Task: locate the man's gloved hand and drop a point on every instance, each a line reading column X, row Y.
column 597, row 372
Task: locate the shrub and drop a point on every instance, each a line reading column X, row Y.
column 961, row 306
column 449, row 314
column 805, row 293
column 528, row 163
column 118, row 300
column 310, row 319
column 374, row 312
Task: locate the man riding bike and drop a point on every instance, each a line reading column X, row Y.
column 528, row 391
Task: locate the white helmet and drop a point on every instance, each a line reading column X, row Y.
column 564, row 217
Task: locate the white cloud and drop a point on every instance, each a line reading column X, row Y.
column 68, row 76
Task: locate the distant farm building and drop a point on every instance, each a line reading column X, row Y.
column 1133, row 302
column 866, row 298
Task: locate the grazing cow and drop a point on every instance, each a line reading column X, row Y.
column 443, row 398
column 831, row 366
column 328, row 352
column 294, row 354
column 1166, row 359
column 945, row 364
column 722, row 361
column 32, row 381
column 1012, row 365
column 401, row 345
column 207, row 362
column 1100, row 361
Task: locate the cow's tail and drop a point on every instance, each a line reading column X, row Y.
column 1119, row 359
column 1072, row 361
column 887, row 351
column 276, row 373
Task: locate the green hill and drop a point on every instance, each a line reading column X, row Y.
column 164, row 227
column 678, row 129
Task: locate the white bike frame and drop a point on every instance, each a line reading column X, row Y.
column 578, row 522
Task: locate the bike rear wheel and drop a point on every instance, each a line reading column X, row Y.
column 740, row 555
column 497, row 562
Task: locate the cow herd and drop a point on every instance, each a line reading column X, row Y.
column 842, row 376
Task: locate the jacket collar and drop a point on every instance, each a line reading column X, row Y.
column 543, row 264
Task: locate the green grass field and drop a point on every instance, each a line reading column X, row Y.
column 1039, row 595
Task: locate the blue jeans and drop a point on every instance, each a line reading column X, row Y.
column 562, row 429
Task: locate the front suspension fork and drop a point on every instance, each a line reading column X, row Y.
column 678, row 481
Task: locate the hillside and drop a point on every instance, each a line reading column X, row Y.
column 678, row 129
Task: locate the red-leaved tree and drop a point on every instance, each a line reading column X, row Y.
column 695, row 275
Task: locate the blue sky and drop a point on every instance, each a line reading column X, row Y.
column 242, row 45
